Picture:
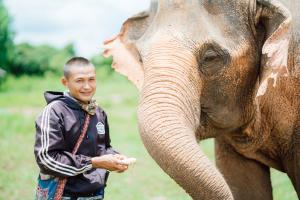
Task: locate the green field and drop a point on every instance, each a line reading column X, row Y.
column 21, row 99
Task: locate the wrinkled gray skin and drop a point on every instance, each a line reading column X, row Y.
column 212, row 68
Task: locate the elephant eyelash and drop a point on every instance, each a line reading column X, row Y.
column 212, row 59
column 210, row 51
column 210, row 56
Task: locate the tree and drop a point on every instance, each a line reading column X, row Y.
column 6, row 37
column 24, row 58
column 103, row 63
column 60, row 57
column 31, row 60
column 36, row 60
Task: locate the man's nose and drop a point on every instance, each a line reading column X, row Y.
column 86, row 85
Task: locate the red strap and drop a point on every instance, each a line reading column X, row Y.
column 62, row 181
column 60, row 188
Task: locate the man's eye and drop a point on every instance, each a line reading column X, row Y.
column 78, row 81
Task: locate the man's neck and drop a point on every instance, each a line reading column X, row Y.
column 77, row 100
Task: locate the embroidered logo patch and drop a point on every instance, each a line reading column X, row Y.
column 100, row 128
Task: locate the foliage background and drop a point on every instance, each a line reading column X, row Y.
column 29, row 71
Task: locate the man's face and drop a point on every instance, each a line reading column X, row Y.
column 81, row 83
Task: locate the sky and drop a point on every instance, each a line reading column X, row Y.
column 86, row 23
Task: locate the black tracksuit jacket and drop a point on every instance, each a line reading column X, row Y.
column 57, row 130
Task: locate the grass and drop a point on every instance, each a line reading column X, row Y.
column 21, row 99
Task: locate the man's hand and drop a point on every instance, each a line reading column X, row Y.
column 109, row 162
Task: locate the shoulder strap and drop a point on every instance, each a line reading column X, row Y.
column 62, row 181
column 83, row 133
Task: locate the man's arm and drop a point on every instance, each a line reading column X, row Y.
column 110, row 162
column 50, row 148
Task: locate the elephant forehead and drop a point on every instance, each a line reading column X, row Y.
column 201, row 21
column 191, row 4
column 187, row 11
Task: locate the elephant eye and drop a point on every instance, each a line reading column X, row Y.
column 212, row 60
column 210, row 56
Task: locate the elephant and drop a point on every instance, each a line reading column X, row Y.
column 228, row 70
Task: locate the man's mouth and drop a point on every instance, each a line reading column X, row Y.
column 86, row 93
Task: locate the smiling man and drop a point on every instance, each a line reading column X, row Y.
column 57, row 130
column 80, row 78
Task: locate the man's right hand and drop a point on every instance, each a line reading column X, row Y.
column 109, row 162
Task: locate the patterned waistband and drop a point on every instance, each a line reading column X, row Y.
column 99, row 197
column 45, row 177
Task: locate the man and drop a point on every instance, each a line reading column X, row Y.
column 58, row 128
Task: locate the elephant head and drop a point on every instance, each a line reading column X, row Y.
column 200, row 66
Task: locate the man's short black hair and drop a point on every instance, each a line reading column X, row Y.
column 76, row 62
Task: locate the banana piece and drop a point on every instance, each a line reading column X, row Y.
column 127, row 161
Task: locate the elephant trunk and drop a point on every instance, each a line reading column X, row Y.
column 169, row 115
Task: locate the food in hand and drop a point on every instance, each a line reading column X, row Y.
column 127, row 161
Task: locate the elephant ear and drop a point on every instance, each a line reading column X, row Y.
column 276, row 20
column 126, row 58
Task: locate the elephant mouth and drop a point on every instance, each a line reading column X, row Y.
column 208, row 127
column 220, row 119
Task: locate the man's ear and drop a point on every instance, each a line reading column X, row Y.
column 126, row 57
column 276, row 21
column 64, row 81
